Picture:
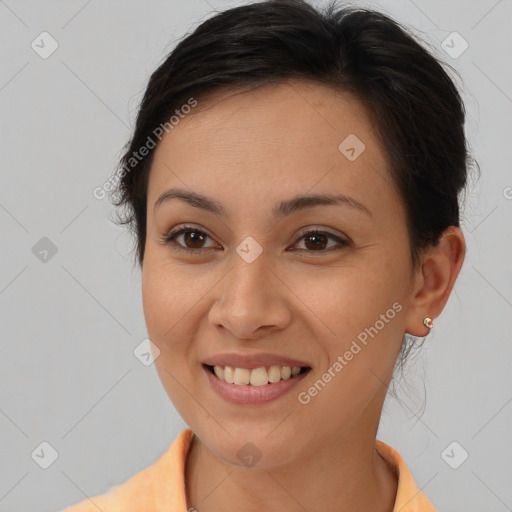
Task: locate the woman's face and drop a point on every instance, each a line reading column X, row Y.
column 336, row 302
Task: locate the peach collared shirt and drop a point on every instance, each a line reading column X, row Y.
column 161, row 486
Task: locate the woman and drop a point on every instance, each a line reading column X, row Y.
column 293, row 184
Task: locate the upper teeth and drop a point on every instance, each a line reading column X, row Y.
column 255, row 377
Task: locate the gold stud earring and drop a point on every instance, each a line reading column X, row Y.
column 428, row 322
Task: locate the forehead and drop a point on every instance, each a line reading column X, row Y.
column 292, row 113
column 272, row 141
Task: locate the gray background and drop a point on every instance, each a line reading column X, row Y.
column 69, row 325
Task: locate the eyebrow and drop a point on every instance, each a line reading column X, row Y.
column 280, row 210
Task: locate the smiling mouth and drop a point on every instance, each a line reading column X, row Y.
column 257, row 376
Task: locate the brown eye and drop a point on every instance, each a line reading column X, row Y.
column 193, row 239
column 317, row 241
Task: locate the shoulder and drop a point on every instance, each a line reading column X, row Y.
column 158, row 485
column 409, row 498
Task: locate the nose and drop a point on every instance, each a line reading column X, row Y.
column 251, row 300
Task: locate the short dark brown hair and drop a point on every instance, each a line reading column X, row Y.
column 416, row 107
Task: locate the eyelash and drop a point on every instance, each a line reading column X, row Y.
column 169, row 238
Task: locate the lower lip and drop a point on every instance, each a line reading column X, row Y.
column 249, row 394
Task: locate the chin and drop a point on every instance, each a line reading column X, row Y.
column 249, row 447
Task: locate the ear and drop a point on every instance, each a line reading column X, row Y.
column 434, row 280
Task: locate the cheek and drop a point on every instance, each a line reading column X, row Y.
column 165, row 305
column 165, row 309
column 172, row 296
column 360, row 335
column 165, row 294
column 154, row 302
column 359, row 310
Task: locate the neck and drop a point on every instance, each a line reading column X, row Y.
column 340, row 472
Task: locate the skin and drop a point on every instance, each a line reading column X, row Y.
column 249, row 151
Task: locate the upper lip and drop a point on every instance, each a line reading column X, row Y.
column 253, row 361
